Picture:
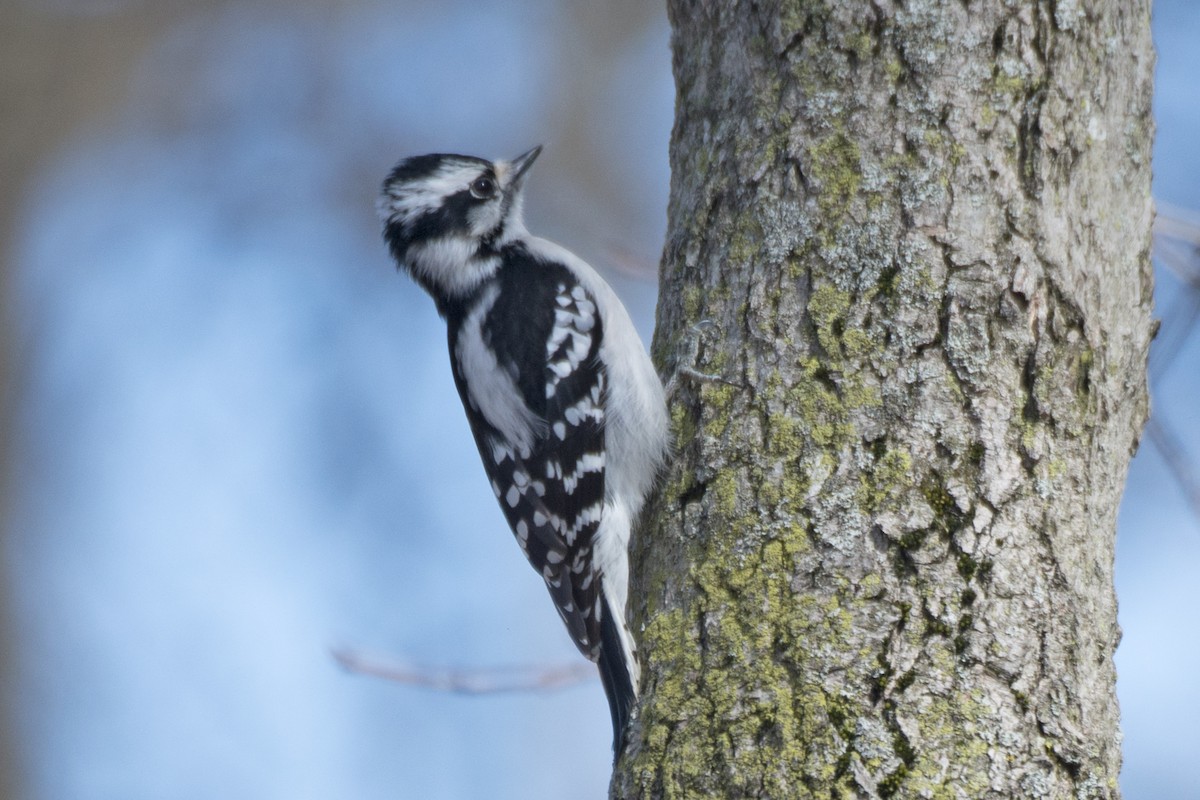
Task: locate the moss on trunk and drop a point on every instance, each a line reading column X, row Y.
column 913, row 239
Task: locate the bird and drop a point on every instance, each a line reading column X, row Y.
column 565, row 406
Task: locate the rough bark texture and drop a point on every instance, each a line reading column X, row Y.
column 882, row 562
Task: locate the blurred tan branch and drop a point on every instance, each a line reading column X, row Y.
column 1177, row 460
column 493, row 680
column 1177, row 248
column 631, row 263
column 1177, row 223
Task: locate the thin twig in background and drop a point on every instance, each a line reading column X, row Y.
column 1177, row 248
column 1177, row 223
column 631, row 263
column 1178, row 321
column 495, row 680
column 1177, row 461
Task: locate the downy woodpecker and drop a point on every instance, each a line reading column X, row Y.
column 566, row 408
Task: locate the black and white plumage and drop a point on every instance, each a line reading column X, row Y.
column 566, row 408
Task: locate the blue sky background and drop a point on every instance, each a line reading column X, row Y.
column 241, row 445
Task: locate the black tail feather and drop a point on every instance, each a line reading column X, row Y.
column 614, row 674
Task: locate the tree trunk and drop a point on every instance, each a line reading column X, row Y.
column 913, row 237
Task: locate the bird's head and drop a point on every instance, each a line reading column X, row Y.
column 445, row 217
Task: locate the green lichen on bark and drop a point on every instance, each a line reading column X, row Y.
column 745, row 604
column 882, row 555
column 837, row 170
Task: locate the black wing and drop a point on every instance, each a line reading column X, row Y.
column 545, row 331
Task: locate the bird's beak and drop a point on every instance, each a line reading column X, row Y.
column 522, row 163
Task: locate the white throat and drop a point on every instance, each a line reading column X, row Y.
column 451, row 263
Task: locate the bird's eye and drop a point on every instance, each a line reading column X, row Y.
column 483, row 187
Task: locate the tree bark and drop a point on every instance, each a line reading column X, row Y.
column 913, row 237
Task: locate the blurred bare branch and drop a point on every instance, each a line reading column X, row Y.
column 1178, row 223
column 1178, row 462
column 495, row 680
column 1177, row 248
column 631, row 263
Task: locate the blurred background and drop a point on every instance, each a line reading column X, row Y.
column 230, row 441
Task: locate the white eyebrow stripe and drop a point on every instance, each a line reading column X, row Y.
column 413, row 200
